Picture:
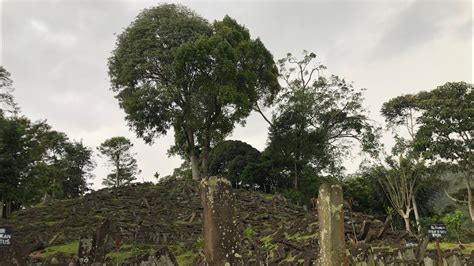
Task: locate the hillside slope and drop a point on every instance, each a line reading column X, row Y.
column 147, row 217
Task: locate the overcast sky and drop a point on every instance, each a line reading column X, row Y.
column 56, row 52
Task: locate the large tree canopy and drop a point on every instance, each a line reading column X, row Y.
column 318, row 119
column 171, row 68
column 230, row 158
column 446, row 129
column 38, row 162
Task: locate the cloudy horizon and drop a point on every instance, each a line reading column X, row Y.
column 56, row 52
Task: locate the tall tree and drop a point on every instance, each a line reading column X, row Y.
column 117, row 151
column 77, row 165
column 318, row 119
column 403, row 112
column 446, row 129
column 171, row 68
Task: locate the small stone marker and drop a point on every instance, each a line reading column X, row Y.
column 6, row 234
column 331, row 226
column 220, row 233
column 85, row 253
column 437, row 230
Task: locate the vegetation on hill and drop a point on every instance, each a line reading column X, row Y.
column 148, row 217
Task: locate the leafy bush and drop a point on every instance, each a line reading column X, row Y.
column 454, row 222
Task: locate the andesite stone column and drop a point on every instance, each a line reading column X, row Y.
column 221, row 237
column 332, row 250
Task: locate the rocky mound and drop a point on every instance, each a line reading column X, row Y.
column 148, row 217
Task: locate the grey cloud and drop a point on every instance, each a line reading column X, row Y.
column 419, row 23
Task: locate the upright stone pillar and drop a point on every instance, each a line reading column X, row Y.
column 332, row 250
column 219, row 230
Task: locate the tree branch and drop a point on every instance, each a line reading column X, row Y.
column 262, row 114
column 453, row 198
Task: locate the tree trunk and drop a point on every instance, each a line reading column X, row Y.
column 417, row 215
column 1, row 209
column 205, row 155
column 296, row 176
column 8, row 209
column 205, row 164
column 117, row 167
column 406, row 219
column 192, row 154
column 469, row 197
column 194, row 166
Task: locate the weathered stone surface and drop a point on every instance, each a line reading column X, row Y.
column 220, row 234
column 454, row 260
column 86, row 250
column 164, row 257
column 100, row 240
column 428, row 261
column 13, row 255
column 470, row 260
column 364, row 230
column 331, row 225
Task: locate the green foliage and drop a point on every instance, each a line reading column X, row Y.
column 454, row 222
column 127, row 251
column 248, row 232
column 117, row 151
column 446, row 128
column 199, row 245
column 267, row 173
column 366, row 195
column 171, row 68
column 184, row 256
column 230, row 158
column 447, row 123
column 468, row 247
column 39, row 162
column 183, row 171
column 187, row 259
column 400, row 111
column 390, row 211
column 317, row 121
column 67, row 249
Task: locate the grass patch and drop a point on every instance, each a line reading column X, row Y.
column 181, row 222
column 267, row 196
column 248, row 232
column 199, row 244
column 298, row 237
column 70, row 248
column 469, row 247
column 127, row 251
column 268, row 245
column 184, row 256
